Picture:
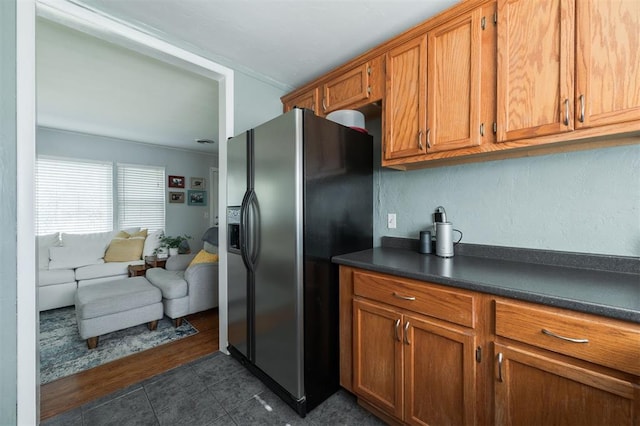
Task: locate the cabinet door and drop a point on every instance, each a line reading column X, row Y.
column 377, row 356
column 307, row 100
column 439, row 373
column 535, row 68
column 405, row 115
column 349, row 88
column 607, row 62
column 453, row 83
column 533, row 389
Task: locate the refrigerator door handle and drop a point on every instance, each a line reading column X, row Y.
column 254, row 230
column 244, row 229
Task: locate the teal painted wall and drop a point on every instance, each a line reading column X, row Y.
column 8, row 214
column 586, row 201
column 255, row 102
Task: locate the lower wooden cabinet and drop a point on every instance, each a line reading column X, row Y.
column 535, row 389
column 420, row 353
column 416, row 369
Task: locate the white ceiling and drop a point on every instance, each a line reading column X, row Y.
column 285, row 43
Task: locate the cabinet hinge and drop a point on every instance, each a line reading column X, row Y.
column 483, row 23
column 369, row 89
column 369, row 70
column 495, row 18
column 478, row 354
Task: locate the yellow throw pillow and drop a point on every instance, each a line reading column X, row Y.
column 126, row 247
column 204, row 257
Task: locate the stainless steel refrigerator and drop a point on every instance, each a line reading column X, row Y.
column 299, row 191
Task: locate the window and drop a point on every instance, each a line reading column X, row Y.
column 73, row 195
column 141, row 197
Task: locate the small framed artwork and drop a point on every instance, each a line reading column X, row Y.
column 197, row 183
column 197, row 198
column 176, row 197
column 176, row 181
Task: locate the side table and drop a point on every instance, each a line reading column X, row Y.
column 154, row 262
column 137, row 270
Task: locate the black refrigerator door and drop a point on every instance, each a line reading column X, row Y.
column 338, row 219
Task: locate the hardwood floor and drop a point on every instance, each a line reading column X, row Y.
column 72, row 391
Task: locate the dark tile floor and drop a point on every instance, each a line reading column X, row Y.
column 213, row 391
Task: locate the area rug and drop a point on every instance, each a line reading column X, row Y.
column 63, row 352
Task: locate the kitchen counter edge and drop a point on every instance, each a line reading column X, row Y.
column 385, row 260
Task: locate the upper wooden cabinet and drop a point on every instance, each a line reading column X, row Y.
column 607, row 62
column 453, row 84
column 535, row 68
column 535, row 76
column 308, row 100
column 356, row 87
column 405, row 108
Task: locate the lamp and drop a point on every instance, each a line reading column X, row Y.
column 210, row 238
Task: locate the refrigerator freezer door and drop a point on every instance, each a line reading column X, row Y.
column 279, row 314
column 237, row 277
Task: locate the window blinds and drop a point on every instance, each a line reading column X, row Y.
column 141, row 196
column 73, row 195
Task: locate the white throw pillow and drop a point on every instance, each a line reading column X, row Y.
column 151, row 243
column 72, row 257
column 44, row 243
column 92, row 245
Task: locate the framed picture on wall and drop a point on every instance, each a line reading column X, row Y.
column 197, row 183
column 176, row 197
column 176, row 181
column 197, row 198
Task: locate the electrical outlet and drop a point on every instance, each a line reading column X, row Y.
column 391, row 221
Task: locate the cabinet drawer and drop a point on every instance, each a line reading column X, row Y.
column 604, row 341
column 450, row 305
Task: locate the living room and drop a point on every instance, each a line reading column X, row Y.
column 99, row 102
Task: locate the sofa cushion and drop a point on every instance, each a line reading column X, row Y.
column 171, row 283
column 44, row 243
column 93, row 244
column 72, row 257
column 152, row 243
column 50, row 277
column 125, row 247
column 104, row 270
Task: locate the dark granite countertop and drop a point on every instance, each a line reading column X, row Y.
column 607, row 293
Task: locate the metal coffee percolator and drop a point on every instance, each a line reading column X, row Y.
column 444, row 233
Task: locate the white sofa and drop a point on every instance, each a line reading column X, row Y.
column 68, row 261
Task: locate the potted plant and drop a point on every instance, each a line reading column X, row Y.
column 173, row 243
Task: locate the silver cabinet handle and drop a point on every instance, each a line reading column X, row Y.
column 429, row 138
column 482, row 129
column 581, row 118
column 500, row 359
column 397, row 326
column 566, row 112
column 568, row 339
column 420, row 140
column 406, row 333
column 399, row 296
column 324, row 106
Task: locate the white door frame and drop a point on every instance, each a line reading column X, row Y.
column 99, row 25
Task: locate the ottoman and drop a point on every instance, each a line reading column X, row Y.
column 114, row 305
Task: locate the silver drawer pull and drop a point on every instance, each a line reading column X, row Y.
column 568, row 339
column 399, row 296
